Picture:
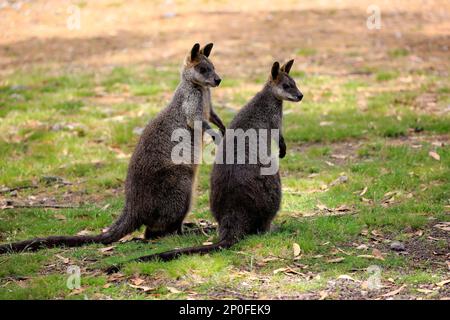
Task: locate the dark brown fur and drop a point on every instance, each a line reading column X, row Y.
column 157, row 191
column 243, row 201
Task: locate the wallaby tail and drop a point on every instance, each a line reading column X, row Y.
column 120, row 228
column 173, row 254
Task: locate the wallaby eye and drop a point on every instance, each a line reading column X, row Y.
column 286, row 86
column 204, row 69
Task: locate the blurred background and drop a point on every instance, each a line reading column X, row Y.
column 327, row 36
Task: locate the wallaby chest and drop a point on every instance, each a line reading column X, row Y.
column 206, row 102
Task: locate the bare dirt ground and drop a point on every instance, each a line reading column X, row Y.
column 248, row 34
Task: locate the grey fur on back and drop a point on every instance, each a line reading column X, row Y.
column 242, row 200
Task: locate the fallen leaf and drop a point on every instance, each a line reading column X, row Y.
column 60, row 217
column 341, row 179
column 127, row 238
column 296, row 249
column 395, row 292
column 137, row 281
column 367, row 256
column 363, row 192
column 443, row 226
column 376, row 233
column 63, row 259
column 347, row 277
column 334, row 251
column 116, row 276
column 322, row 207
column 173, row 290
column 434, row 155
column 377, row 254
column 443, row 283
column 84, row 232
column 343, row 251
column 76, row 291
column 107, row 249
column 270, row 259
column 366, row 200
column 143, row 288
column 362, row 247
column 389, row 194
column 119, row 153
column 106, row 286
column 323, row 295
column 290, row 270
column 336, row 260
column 365, row 285
column 343, row 208
column 425, row 291
column 207, row 243
column 279, row 270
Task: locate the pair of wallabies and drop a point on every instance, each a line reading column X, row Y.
column 158, row 192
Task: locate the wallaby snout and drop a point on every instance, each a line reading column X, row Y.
column 217, row 81
column 297, row 97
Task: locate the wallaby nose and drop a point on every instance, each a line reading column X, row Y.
column 217, row 81
column 300, row 97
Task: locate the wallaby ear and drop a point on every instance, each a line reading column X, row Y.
column 275, row 70
column 194, row 51
column 207, row 49
column 287, row 66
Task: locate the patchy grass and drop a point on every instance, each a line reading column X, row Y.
column 82, row 128
column 306, row 52
column 398, row 53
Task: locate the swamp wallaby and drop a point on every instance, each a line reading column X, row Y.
column 157, row 191
column 243, row 201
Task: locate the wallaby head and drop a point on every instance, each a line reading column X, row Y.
column 199, row 69
column 282, row 85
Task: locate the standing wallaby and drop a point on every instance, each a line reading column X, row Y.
column 242, row 200
column 157, row 191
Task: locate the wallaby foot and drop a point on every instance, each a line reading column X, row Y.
column 152, row 235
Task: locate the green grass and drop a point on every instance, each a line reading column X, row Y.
column 306, row 52
column 397, row 53
column 386, row 75
column 60, row 125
